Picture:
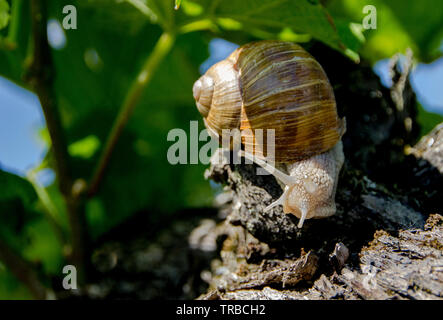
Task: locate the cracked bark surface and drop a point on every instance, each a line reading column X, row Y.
column 390, row 251
column 384, row 242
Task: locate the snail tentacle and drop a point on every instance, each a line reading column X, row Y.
column 304, row 213
column 279, row 201
column 287, row 180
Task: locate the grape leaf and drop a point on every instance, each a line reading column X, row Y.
column 271, row 17
column 400, row 25
column 13, row 187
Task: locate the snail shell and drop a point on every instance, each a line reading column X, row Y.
column 271, row 85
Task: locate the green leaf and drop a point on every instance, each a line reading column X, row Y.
column 400, row 25
column 84, row 148
column 17, row 197
column 14, row 47
column 155, row 11
column 192, row 8
column 427, row 120
column 10, row 287
column 423, row 23
column 43, row 247
column 13, row 187
column 22, row 227
column 4, row 13
column 121, row 16
column 269, row 18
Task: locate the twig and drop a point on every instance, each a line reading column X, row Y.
column 40, row 75
column 22, row 271
column 48, row 207
column 161, row 49
column 14, row 24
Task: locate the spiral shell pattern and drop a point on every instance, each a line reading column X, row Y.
column 272, row 85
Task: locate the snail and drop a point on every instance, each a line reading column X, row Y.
column 278, row 85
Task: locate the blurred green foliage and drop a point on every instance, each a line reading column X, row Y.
column 4, row 13
column 101, row 59
column 427, row 120
column 400, row 25
column 10, row 288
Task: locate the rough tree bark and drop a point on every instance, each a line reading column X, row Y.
column 386, row 239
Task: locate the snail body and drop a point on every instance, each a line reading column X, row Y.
column 278, row 85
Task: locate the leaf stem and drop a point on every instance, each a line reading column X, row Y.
column 49, row 208
column 198, row 25
column 161, row 49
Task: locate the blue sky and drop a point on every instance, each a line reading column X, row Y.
column 21, row 116
column 20, row 119
column 426, row 80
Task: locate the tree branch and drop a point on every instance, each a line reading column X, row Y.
column 161, row 49
column 40, row 75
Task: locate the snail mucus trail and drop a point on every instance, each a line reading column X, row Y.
column 278, row 85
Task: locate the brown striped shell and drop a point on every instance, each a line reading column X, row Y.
column 271, row 85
